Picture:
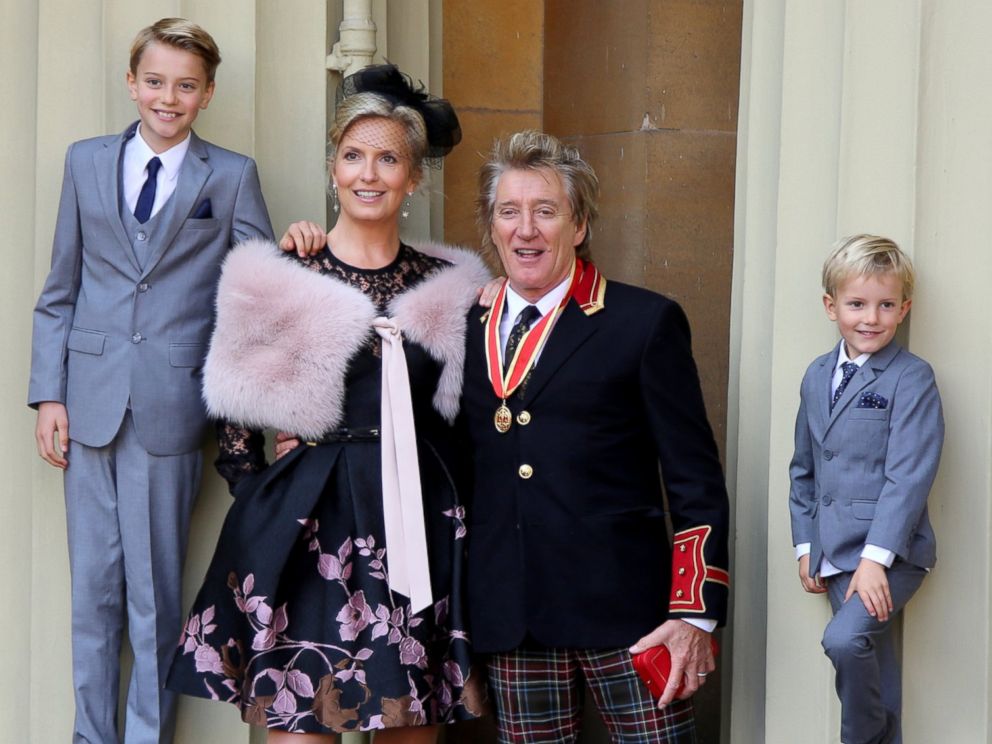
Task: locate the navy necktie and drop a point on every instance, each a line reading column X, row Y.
column 520, row 327
column 849, row 369
column 146, row 199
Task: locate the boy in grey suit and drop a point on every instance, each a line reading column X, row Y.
column 868, row 439
column 120, row 333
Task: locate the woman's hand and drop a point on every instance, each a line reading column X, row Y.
column 304, row 237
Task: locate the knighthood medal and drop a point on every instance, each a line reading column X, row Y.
column 503, row 418
column 505, row 384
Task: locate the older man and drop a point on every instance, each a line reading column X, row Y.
column 576, row 390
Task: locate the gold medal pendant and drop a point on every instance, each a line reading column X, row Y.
column 503, row 419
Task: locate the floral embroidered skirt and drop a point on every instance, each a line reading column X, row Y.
column 295, row 622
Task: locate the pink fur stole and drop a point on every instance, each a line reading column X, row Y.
column 285, row 334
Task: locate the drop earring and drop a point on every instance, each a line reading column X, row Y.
column 406, row 205
column 334, row 197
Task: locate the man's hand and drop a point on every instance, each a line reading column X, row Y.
column 285, row 443
column 306, row 238
column 692, row 656
column 872, row 585
column 488, row 292
column 812, row 584
column 52, row 429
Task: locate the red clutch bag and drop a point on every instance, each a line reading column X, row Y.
column 655, row 664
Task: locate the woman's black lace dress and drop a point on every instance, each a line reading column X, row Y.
column 295, row 622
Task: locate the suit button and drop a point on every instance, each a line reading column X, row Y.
column 136, row 338
column 682, row 548
column 679, row 594
column 523, row 418
column 827, row 499
column 142, row 235
column 681, row 572
column 525, row 471
column 828, row 455
column 143, row 287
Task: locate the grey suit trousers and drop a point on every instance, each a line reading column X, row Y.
column 128, row 521
column 863, row 651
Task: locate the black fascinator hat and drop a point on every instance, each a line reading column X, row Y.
column 443, row 130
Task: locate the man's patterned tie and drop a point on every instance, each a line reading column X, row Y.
column 520, row 327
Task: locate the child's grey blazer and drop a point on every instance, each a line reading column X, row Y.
column 109, row 333
column 862, row 473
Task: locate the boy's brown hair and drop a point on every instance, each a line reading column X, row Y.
column 181, row 34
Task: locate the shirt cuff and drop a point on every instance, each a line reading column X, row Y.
column 879, row 555
column 803, row 549
column 703, row 623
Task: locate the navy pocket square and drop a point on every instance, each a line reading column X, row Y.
column 869, row 399
column 204, row 211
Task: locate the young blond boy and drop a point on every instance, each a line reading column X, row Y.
column 868, row 439
column 120, row 333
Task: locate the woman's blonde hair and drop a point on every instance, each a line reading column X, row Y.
column 368, row 105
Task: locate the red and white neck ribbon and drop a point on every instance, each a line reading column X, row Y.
column 587, row 287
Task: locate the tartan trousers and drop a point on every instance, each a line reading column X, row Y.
column 538, row 699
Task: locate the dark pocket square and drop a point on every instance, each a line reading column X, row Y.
column 204, row 211
column 869, row 399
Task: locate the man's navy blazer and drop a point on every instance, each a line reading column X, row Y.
column 574, row 551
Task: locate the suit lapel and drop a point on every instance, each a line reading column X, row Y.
column 863, row 378
column 824, row 379
column 572, row 330
column 106, row 165
column 192, row 176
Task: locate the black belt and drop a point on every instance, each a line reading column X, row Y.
column 356, row 434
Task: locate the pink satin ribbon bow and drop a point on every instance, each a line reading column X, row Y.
column 402, row 502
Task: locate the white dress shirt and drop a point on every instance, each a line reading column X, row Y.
column 515, row 303
column 134, row 170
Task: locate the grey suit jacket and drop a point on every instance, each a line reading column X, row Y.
column 862, row 473
column 106, row 331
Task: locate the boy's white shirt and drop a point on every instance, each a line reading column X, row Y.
column 134, row 170
column 871, row 552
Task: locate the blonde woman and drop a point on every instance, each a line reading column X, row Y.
column 320, row 612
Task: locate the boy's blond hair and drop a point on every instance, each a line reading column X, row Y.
column 866, row 255
column 181, row 34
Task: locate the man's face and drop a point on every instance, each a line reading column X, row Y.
column 534, row 231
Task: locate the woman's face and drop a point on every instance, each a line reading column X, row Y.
column 372, row 170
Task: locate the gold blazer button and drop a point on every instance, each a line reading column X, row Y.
column 523, row 418
column 525, row 471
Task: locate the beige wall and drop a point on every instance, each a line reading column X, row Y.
column 64, row 65
column 861, row 117
column 853, row 116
